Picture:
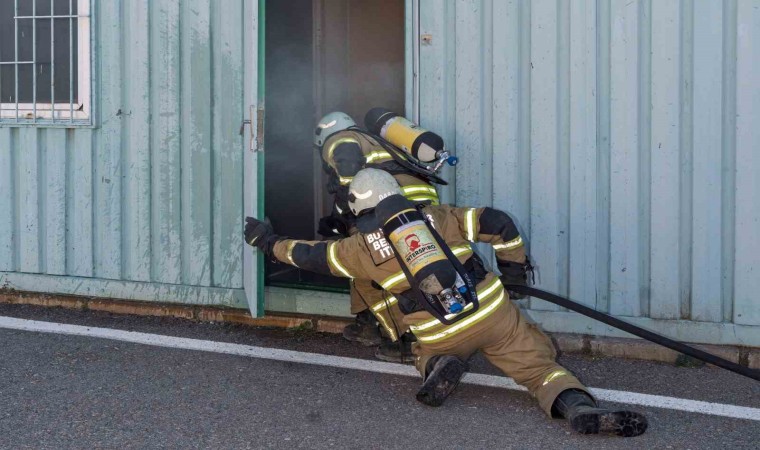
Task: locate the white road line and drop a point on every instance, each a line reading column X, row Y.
column 157, row 340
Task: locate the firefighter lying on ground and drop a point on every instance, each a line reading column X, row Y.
column 497, row 328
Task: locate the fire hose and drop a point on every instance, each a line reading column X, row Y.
column 636, row 331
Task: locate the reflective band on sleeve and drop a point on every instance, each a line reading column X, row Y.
column 553, row 376
column 331, row 148
column 289, row 254
column 420, row 193
column 469, row 224
column 377, row 156
column 424, row 198
column 333, row 258
column 514, row 243
column 464, row 323
column 483, row 297
column 417, row 188
column 398, row 277
column 344, row 181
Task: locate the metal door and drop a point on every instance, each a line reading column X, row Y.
column 253, row 197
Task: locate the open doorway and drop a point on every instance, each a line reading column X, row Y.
column 321, row 56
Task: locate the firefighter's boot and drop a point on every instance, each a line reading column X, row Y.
column 443, row 374
column 364, row 330
column 586, row 417
column 399, row 351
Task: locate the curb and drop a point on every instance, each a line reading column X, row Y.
column 565, row 343
column 196, row 313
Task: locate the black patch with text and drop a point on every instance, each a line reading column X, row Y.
column 378, row 247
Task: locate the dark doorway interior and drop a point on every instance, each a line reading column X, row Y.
column 321, row 56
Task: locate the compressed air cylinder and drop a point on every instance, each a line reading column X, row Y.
column 404, row 134
column 420, row 252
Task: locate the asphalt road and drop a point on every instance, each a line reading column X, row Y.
column 77, row 392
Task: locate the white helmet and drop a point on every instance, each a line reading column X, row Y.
column 331, row 124
column 368, row 188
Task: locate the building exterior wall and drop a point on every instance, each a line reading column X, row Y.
column 146, row 203
column 621, row 135
column 623, row 138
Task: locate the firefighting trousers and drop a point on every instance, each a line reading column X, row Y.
column 382, row 305
column 511, row 343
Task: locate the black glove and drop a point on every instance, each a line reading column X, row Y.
column 333, row 183
column 330, row 226
column 341, row 199
column 260, row 235
column 515, row 273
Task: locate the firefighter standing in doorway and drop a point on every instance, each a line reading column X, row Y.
column 496, row 327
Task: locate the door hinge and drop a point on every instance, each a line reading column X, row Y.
column 260, row 129
column 255, row 137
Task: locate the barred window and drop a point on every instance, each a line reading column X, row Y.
column 45, row 62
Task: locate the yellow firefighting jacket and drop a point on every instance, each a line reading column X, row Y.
column 339, row 150
column 346, row 152
column 369, row 256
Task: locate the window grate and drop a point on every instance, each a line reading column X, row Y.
column 50, row 80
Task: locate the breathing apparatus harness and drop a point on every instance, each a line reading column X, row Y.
column 407, row 162
column 440, row 284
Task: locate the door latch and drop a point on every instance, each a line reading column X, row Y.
column 243, row 124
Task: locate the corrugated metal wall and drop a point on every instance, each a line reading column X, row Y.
column 623, row 135
column 152, row 193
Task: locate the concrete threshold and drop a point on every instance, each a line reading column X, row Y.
column 570, row 343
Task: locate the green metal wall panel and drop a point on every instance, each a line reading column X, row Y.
column 746, row 284
column 620, row 134
column 153, row 192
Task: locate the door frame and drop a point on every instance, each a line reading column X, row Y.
column 253, row 160
column 412, row 59
column 290, row 300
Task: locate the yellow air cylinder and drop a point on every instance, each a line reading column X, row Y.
column 419, row 251
column 404, row 134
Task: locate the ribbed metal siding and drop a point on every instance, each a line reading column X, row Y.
column 624, row 136
column 154, row 192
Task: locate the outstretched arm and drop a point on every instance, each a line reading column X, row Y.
column 339, row 257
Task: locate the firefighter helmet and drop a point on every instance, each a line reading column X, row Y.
column 368, row 187
column 331, row 124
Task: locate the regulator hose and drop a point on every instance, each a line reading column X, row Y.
column 636, row 331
